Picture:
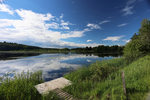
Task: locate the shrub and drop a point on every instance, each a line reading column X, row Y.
column 133, row 50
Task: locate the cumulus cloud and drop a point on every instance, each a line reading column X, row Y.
column 64, row 24
column 114, row 38
column 105, row 21
column 52, row 25
column 93, row 26
column 5, row 8
column 88, row 40
column 122, row 24
column 35, row 29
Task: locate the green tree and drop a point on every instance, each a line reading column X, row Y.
column 139, row 44
column 144, row 34
column 132, row 51
column 135, row 36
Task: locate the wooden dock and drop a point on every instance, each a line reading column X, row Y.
column 63, row 95
column 55, row 86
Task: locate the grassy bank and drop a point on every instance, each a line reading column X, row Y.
column 102, row 80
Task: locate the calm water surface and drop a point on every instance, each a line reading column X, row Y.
column 52, row 65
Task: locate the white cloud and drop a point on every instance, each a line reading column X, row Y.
column 122, row 24
column 88, row 40
column 24, row 14
column 62, row 15
column 1, row 1
column 6, row 8
column 126, row 40
column 114, row 38
column 64, row 24
column 93, row 26
column 52, row 25
column 62, row 21
column 34, row 28
column 64, row 27
column 127, row 10
column 105, row 21
column 71, row 44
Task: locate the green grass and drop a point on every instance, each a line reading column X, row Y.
column 102, row 80
column 22, row 87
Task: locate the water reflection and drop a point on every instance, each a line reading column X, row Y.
column 52, row 65
column 10, row 56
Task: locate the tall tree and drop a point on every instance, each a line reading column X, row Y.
column 144, row 34
column 140, row 44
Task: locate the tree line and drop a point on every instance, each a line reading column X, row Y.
column 9, row 46
column 100, row 49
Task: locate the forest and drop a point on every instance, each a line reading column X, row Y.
column 9, row 46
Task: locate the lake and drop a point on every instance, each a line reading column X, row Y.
column 53, row 65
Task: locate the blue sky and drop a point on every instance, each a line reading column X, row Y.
column 71, row 23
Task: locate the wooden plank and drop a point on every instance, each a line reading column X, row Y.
column 55, row 86
column 51, row 85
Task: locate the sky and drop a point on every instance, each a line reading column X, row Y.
column 71, row 23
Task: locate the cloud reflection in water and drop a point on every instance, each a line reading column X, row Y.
column 52, row 65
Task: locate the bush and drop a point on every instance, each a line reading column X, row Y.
column 101, row 72
column 133, row 50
